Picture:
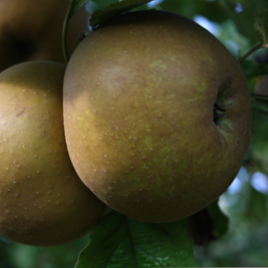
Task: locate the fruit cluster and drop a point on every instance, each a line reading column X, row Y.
column 42, row 200
column 155, row 114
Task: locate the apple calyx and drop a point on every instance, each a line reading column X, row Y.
column 218, row 112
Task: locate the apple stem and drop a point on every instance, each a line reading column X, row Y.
column 217, row 112
column 253, row 50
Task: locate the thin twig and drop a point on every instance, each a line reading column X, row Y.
column 64, row 35
column 251, row 51
column 257, row 96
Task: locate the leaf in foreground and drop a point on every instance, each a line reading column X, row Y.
column 118, row 241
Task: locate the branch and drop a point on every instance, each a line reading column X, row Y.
column 261, row 97
column 253, row 50
column 64, row 32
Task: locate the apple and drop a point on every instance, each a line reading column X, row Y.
column 42, row 200
column 32, row 30
column 157, row 115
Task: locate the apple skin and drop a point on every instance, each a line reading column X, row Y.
column 42, row 200
column 139, row 95
column 32, row 30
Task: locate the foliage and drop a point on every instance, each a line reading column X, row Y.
column 118, row 241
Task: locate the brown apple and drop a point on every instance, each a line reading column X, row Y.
column 157, row 115
column 42, row 200
column 32, row 30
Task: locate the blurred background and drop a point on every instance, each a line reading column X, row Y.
column 246, row 200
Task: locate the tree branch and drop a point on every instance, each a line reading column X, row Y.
column 252, row 50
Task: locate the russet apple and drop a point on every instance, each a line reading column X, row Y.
column 157, row 115
column 42, row 200
column 32, row 30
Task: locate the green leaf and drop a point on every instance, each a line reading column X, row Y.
column 257, row 154
column 252, row 70
column 119, row 242
column 256, row 207
column 220, row 220
column 210, row 9
column 260, row 25
column 112, row 10
column 75, row 5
